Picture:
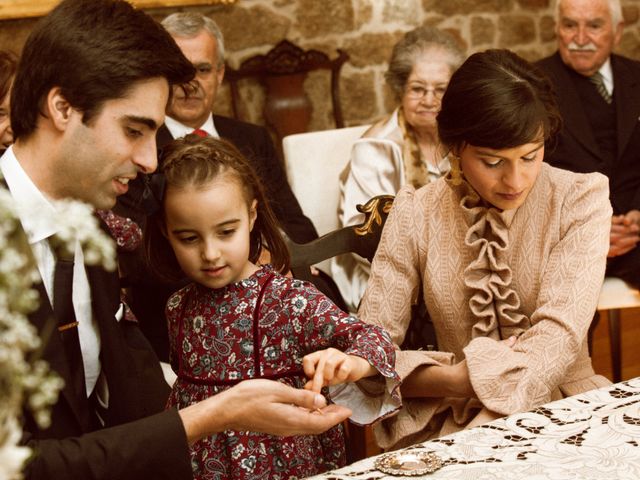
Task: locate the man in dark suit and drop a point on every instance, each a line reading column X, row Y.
column 600, row 105
column 89, row 95
column 201, row 41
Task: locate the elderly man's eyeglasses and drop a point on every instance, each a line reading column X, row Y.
column 418, row 91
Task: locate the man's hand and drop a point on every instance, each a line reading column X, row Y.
column 625, row 233
column 331, row 367
column 262, row 406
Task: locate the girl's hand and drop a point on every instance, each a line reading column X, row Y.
column 331, row 367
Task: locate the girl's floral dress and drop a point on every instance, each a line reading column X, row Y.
column 261, row 327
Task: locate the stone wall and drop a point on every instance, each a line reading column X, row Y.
column 367, row 30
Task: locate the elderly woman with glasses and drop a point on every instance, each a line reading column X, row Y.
column 402, row 149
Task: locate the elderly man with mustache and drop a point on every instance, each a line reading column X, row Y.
column 599, row 99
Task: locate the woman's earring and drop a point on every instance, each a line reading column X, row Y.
column 456, row 172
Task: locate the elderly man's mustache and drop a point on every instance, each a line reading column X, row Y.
column 589, row 47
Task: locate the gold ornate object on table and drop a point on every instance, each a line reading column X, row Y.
column 37, row 8
column 408, row 463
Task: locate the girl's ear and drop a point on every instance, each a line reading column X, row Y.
column 253, row 214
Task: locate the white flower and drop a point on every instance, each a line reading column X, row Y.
column 77, row 223
column 26, row 382
column 12, row 456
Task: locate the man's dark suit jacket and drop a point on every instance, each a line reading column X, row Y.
column 140, row 439
column 577, row 149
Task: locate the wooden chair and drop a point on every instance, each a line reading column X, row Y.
column 361, row 239
column 313, row 162
column 614, row 296
column 282, row 72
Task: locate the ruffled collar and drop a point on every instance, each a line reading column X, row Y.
column 494, row 303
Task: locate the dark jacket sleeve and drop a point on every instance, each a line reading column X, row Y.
column 153, row 447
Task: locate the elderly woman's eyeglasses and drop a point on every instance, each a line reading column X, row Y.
column 418, row 91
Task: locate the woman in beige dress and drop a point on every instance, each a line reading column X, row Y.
column 508, row 252
column 403, row 148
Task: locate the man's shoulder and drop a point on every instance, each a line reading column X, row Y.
column 550, row 62
column 629, row 63
column 227, row 124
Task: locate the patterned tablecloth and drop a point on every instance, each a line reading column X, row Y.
column 595, row 435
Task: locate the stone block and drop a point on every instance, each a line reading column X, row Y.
column 630, row 14
column 363, row 13
column 483, row 30
column 534, row 4
column 547, row 28
column 408, row 12
column 314, row 18
column 358, row 94
column 242, row 30
column 465, row 7
column 371, row 48
column 515, row 30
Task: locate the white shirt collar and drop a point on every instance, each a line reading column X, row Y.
column 36, row 212
column 607, row 75
column 179, row 130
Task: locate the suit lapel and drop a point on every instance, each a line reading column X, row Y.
column 627, row 101
column 574, row 117
column 163, row 136
column 227, row 131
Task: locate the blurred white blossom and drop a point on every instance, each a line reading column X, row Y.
column 26, row 381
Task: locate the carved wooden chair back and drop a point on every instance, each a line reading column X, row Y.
column 282, row 72
column 362, row 239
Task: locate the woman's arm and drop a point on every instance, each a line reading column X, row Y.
column 517, row 379
column 442, row 380
column 439, row 381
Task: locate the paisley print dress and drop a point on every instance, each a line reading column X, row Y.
column 262, row 327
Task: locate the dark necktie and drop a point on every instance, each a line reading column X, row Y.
column 200, row 133
column 598, row 81
column 67, row 323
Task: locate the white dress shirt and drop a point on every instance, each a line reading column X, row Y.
column 38, row 218
column 179, row 130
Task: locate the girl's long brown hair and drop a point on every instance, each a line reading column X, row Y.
column 193, row 161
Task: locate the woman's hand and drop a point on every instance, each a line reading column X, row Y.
column 331, row 367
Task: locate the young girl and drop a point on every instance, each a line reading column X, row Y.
column 238, row 320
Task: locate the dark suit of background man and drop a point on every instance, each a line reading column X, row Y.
column 90, row 92
column 201, row 41
column 599, row 136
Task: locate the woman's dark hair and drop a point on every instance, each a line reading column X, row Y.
column 193, row 161
column 497, row 100
column 8, row 65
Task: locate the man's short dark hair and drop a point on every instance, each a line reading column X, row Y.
column 94, row 51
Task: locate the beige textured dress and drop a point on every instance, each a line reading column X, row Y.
column 487, row 274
